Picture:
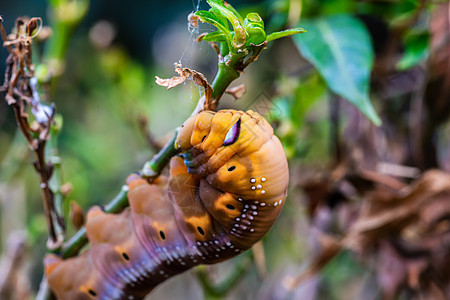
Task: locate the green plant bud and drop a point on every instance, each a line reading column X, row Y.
column 256, row 36
column 253, row 20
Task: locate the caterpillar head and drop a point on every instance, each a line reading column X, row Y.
column 236, row 152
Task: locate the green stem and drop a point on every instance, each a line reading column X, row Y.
column 225, row 76
column 79, row 240
column 155, row 166
column 64, row 17
column 219, row 290
column 73, row 246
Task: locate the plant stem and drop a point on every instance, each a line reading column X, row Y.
column 154, row 167
column 79, row 240
column 119, row 202
column 219, row 290
column 225, row 75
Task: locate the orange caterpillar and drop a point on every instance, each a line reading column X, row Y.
column 217, row 202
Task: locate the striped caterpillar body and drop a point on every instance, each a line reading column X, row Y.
column 223, row 194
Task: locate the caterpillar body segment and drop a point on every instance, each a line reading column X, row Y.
column 222, row 196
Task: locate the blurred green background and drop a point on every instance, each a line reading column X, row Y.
column 389, row 50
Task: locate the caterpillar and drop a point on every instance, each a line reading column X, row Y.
column 223, row 194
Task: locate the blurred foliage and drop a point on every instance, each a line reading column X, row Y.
column 391, row 52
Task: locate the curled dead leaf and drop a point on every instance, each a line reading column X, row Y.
column 198, row 78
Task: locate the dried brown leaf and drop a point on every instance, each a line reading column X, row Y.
column 236, row 92
column 206, row 102
column 76, row 215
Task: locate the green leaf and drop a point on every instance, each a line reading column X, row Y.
column 235, row 12
column 340, row 48
column 217, row 3
column 216, row 36
column 284, row 33
column 416, row 50
column 221, row 10
column 209, row 17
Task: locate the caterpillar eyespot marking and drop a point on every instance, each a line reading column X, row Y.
column 231, row 207
column 200, row 230
column 207, row 212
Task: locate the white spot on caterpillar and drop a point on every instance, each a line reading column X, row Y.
column 263, row 179
column 244, row 216
column 253, row 187
column 238, row 219
column 217, row 255
column 240, row 199
column 228, row 244
column 281, row 201
column 250, row 217
column 263, row 204
column 253, row 180
column 259, row 186
column 246, row 206
column 255, row 213
column 216, row 242
column 275, row 204
column 263, row 192
column 256, row 202
column 254, row 207
column 252, row 230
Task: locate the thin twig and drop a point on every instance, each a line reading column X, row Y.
column 12, row 263
column 222, row 288
column 4, row 36
column 20, row 92
column 151, row 140
column 213, row 45
column 256, row 52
